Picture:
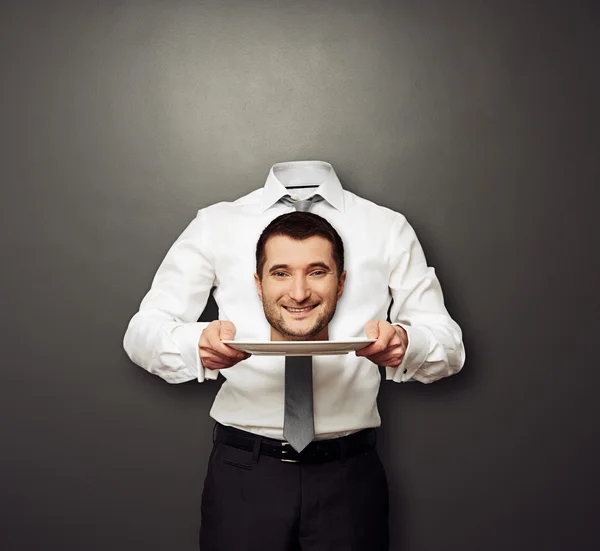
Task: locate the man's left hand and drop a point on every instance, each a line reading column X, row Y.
column 390, row 346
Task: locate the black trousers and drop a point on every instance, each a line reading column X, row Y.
column 268, row 504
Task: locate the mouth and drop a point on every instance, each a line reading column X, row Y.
column 300, row 310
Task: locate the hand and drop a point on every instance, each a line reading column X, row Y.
column 390, row 346
column 213, row 353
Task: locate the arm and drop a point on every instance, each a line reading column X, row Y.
column 435, row 348
column 423, row 343
column 163, row 336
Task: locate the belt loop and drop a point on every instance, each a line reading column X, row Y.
column 215, row 432
column 342, row 444
column 256, row 451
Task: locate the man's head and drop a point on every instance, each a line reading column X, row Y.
column 299, row 275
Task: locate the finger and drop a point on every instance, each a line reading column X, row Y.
column 232, row 353
column 392, row 357
column 227, row 353
column 389, row 361
column 369, row 350
column 387, row 338
column 387, row 332
column 211, row 360
column 210, row 333
column 226, row 330
column 209, row 364
column 401, row 332
column 214, row 361
column 379, row 346
column 372, row 329
column 224, row 350
column 207, row 352
column 371, row 332
column 217, row 365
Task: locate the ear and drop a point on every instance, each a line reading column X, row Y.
column 341, row 282
column 258, row 286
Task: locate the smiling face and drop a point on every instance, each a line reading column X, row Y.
column 299, row 287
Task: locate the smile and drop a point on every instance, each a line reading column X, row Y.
column 297, row 310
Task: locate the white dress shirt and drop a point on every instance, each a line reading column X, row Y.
column 384, row 261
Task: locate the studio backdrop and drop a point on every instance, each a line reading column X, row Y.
column 478, row 121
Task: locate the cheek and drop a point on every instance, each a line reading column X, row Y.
column 328, row 293
column 269, row 294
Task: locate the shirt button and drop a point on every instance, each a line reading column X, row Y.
column 405, row 370
column 295, row 197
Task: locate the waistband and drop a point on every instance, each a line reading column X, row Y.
column 318, row 451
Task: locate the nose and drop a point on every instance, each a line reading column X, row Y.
column 299, row 290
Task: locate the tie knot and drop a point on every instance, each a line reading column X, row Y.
column 301, row 205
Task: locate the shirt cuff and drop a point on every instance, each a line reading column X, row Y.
column 414, row 357
column 186, row 337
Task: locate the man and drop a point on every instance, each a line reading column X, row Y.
column 385, row 264
column 300, row 278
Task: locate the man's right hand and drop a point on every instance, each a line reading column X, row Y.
column 213, row 353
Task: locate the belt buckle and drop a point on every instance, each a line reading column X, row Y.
column 284, row 451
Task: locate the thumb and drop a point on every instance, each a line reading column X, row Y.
column 226, row 331
column 372, row 329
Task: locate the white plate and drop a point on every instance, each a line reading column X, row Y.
column 299, row 348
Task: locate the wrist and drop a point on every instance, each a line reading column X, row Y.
column 401, row 333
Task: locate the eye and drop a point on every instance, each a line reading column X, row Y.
column 279, row 274
column 318, row 272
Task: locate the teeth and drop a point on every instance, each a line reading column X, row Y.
column 299, row 309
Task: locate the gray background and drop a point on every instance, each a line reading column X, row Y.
column 477, row 120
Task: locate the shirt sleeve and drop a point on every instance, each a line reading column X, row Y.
column 162, row 337
column 435, row 348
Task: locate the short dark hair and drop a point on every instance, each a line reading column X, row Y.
column 300, row 226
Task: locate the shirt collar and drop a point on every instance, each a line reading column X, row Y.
column 303, row 172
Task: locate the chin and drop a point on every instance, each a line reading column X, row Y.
column 299, row 337
column 296, row 338
column 298, row 334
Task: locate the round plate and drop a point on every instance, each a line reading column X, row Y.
column 299, row 348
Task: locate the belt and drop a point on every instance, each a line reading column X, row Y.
column 318, row 451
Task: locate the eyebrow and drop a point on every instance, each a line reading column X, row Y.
column 311, row 265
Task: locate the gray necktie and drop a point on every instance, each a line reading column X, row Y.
column 302, row 205
column 298, row 422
